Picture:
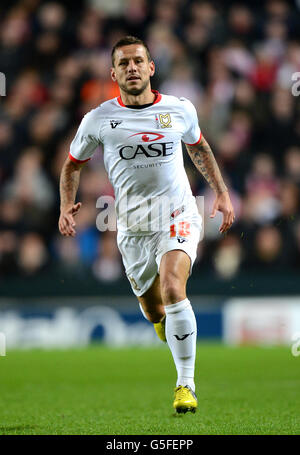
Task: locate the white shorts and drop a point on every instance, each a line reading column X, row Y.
column 141, row 255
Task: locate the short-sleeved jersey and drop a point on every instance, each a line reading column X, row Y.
column 142, row 156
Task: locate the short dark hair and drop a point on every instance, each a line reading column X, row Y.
column 126, row 41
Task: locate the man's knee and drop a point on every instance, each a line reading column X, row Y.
column 172, row 290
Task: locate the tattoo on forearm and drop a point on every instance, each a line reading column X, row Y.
column 69, row 182
column 204, row 160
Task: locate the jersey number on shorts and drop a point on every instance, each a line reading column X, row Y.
column 183, row 229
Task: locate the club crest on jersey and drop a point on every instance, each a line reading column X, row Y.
column 165, row 120
column 115, row 123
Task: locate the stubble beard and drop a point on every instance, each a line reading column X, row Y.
column 135, row 91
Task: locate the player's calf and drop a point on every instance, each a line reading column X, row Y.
column 158, row 320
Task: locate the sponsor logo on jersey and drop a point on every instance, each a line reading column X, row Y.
column 165, row 120
column 129, row 152
column 115, row 123
column 148, row 137
column 146, row 166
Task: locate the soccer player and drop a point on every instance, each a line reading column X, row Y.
column 141, row 133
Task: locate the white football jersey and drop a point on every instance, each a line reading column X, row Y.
column 143, row 158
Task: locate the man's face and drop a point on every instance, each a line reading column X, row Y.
column 132, row 70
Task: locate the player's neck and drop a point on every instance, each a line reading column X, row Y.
column 146, row 97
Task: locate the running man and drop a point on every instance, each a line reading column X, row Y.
column 141, row 133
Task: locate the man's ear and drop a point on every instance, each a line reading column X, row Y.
column 152, row 68
column 113, row 74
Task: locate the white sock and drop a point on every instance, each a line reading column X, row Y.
column 181, row 334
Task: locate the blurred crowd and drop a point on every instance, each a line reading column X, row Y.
column 235, row 61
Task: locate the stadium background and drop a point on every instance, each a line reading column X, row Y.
column 235, row 62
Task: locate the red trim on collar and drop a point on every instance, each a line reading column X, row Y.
column 158, row 96
column 156, row 100
column 119, row 99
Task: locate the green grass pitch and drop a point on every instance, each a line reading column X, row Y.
column 101, row 390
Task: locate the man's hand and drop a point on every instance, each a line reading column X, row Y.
column 223, row 204
column 66, row 221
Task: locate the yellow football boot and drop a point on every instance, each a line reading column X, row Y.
column 160, row 329
column 185, row 400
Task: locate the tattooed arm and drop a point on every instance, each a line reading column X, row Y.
column 204, row 160
column 69, row 181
